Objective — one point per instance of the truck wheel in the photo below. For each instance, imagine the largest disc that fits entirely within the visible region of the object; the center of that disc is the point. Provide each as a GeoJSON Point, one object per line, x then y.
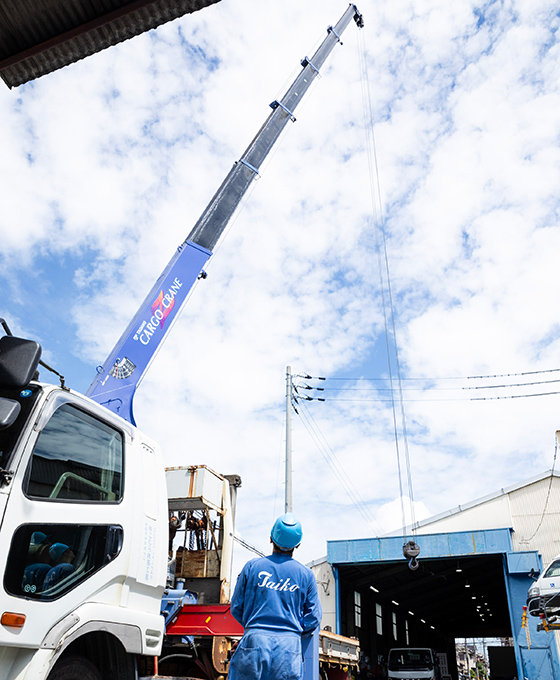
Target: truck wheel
{"type": "Point", "coordinates": [74, 668]}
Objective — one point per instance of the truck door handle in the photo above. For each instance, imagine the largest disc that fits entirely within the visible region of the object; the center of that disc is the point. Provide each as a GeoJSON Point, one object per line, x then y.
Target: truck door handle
{"type": "Point", "coordinates": [113, 543]}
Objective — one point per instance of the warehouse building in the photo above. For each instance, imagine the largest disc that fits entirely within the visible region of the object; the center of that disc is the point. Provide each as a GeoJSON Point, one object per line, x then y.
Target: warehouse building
{"type": "Point", "coordinates": [477, 563]}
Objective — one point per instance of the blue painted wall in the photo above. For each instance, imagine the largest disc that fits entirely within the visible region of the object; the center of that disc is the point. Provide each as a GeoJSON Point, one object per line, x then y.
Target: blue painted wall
{"type": "Point", "coordinates": [536, 652]}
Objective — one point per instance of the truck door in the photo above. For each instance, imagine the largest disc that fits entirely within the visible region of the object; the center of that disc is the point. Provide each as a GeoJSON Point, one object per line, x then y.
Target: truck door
{"type": "Point", "coordinates": [63, 524]}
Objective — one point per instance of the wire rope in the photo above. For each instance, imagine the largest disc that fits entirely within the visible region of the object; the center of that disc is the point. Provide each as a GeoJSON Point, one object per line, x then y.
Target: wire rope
{"type": "Point", "coordinates": [247, 546]}
{"type": "Point", "coordinates": [383, 265]}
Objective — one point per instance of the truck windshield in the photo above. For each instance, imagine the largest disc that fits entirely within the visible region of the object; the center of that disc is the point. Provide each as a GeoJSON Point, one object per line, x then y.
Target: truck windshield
{"type": "Point", "coordinates": [553, 570]}
{"type": "Point", "coordinates": [10, 436]}
{"type": "Point", "coordinates": [410, 659]}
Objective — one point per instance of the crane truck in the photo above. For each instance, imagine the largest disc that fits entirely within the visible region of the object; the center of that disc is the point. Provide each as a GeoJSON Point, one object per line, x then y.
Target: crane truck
{"type": "Point", "coordinates": [111, 566]}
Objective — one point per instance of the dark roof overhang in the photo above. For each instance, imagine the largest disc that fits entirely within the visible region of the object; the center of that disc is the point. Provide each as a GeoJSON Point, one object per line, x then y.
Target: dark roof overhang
{"type": "Point", "coordinates": [41, 36]}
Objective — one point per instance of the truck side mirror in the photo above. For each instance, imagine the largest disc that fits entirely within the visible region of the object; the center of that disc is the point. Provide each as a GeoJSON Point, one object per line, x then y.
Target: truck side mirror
{"type": "Point", "coordinates": [19, 359]}
{"type": "Point", "coordinates": [9, 411]}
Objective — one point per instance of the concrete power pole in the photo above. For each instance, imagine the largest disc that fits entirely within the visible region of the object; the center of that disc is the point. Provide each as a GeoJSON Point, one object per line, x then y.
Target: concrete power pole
{"type": "Point", "coordinates": [288, 491]}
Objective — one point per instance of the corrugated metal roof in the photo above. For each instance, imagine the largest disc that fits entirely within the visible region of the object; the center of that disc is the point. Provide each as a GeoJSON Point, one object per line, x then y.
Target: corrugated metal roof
{"type": "Point", "coordinates": [472, 504]}
{"type": "Point", "coordinates": [40, 36]}
{"type": "Point", "coordinates": [489, 497]}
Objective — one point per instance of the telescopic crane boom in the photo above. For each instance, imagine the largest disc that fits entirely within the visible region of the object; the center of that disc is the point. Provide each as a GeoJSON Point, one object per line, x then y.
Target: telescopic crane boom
{"type": "Point", "coordinates": [115, 384]}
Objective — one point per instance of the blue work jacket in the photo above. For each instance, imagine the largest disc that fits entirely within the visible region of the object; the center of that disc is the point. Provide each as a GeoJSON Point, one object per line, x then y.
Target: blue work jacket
{"type": "Point", "coordinates": [278, 594]}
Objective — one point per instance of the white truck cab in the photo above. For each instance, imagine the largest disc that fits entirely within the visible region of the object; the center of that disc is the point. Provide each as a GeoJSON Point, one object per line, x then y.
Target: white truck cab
{"type": "Point", "coordinates": [83, 534]}
{"type": "Point", "coordinates": [411, 663]}
{"type": "Point", "coordinates": [545, 592]}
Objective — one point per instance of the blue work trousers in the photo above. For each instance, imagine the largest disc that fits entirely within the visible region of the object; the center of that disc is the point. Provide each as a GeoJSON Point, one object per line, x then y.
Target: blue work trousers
{"type": "Point", "coordinates": [264, 655]}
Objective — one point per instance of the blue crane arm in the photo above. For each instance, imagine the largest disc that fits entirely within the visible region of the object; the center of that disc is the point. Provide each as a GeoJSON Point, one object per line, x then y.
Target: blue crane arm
{"type": "Point", "coordinates": [116, 381]}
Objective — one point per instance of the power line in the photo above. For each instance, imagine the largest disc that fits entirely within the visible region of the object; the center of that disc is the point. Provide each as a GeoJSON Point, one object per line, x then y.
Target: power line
{"type": "Point", "coordinates": [434, 388]}
{"type": "Point", "coordinates": [442, 399]}
{"type": "Point", "coordinates": [514, 396]}
{"type": "Point", "coordinates": [332, 460]}
{"type": "Point", "coordinates": [491, 387]}
{"type": "Point", "coordinates": [435, 378]}
{"type": "Point", "coordinates": [385, 394]}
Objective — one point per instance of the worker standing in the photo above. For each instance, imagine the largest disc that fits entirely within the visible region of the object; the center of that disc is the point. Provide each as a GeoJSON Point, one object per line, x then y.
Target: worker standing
{"type": "Point", "coordinates": [276, 601]}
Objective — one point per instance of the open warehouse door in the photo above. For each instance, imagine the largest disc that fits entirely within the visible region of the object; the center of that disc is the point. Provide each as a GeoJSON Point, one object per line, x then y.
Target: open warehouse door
{"type": "Point", "coordinates": [469, 584]}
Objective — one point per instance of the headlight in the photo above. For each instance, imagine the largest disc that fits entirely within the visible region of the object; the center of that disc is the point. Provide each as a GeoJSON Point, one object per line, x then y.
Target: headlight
{"type": "Point", "coordinates": [534, 591]}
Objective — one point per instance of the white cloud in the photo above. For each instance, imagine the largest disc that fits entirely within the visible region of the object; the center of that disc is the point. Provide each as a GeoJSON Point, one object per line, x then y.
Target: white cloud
{"type": "Point", "coordinates": [112, 160]}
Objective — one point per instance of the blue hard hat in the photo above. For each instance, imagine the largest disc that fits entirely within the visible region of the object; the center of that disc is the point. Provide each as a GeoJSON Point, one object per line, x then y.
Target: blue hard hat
{"type": "Point", "coordinates": [57, 550]}
{"type": "Point", "coordinates": [286, 532]}
{"type": "Point", "coordinates": [38, 537]}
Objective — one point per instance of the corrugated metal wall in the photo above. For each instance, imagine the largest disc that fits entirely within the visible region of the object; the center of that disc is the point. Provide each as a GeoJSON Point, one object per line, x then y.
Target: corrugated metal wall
{"type": "Point", "coordinates": [492, 514]}
{"type": "Point", "coordinates": [531, 513]}
{"type": "Point", "coordinates": [327, 592]}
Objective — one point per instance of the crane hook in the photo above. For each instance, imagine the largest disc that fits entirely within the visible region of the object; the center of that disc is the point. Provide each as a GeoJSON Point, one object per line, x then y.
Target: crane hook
{"type": "Point", "coordinates": [411, 550]}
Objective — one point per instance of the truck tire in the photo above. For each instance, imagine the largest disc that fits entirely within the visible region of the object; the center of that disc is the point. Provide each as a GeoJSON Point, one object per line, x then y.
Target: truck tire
{"type": "Point", "coordinates": [74, 668]}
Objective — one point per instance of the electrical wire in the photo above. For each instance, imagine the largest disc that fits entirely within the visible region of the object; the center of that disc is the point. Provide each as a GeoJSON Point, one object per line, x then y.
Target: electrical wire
{"type": "Point", "coordinates": [434, 378]}
{"type": "Point", "coordinates": [437, 389]}
{"type": "Point", "coordinates": [442, 399]}
{"type": "Point", "coordinates": [333, 393]}
{"type": "Point", "coordinates": [332, 460]}
{"type": "Point", "coordinates": [491, 387]}
{"type": "Point", "coordinates": [513, 396]}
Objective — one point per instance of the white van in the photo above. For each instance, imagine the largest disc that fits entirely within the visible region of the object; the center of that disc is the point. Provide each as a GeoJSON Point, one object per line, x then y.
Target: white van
{"type": "Point", "coordinates": [545, 592]}
{"type": "Point", "coordinates": [411, 663]}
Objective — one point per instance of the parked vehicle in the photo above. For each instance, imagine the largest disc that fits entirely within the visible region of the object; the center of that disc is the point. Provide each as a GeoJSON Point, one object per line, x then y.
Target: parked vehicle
{"type": "Point", "coordinates": [544, 594]}
{"type": "Point", "coordinates": [411, 663]}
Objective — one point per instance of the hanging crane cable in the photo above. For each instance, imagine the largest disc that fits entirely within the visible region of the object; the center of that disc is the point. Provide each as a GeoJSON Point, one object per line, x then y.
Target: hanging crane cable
{"type": "Point", "coordinates": [385, 289]}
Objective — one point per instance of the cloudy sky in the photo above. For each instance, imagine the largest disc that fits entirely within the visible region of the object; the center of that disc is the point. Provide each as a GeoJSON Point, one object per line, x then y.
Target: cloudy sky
{"type": "Point", "coordinates": [107, 164]}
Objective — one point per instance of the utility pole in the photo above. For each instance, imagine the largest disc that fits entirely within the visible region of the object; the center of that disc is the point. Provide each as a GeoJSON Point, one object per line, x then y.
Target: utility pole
{"type": "Point", "coordinates": [475, 659]}
{"type": "Point", "coordinates": [288, 491]}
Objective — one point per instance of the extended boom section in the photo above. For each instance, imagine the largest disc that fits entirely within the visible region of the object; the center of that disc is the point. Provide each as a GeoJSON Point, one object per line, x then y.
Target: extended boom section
{"type": "Point", "coordinates": [116, 382]}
